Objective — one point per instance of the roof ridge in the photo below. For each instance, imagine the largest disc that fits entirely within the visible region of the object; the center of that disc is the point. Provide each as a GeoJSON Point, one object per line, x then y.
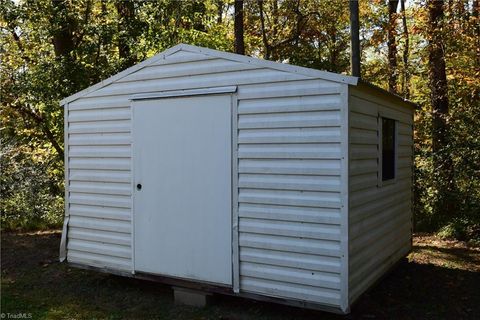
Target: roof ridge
{"type": "Point", "coordinates": [314, 73]}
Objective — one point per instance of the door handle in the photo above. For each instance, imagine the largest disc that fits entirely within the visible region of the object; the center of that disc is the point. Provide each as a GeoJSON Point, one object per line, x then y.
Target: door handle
{"type": "Point", "coordinates": [139, 186]}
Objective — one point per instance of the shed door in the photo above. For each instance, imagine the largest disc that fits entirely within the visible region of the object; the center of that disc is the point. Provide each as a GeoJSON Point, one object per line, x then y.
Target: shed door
{"type": "Point", "coordinates": [182, 213]}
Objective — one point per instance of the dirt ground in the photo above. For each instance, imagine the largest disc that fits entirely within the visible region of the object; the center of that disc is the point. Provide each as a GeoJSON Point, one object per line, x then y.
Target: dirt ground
{"type": "Point", "coordinates": [438, 280]}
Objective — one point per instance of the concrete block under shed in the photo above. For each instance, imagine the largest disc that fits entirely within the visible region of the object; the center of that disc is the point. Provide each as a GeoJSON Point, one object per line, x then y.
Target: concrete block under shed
{"type": "Point", "coordinates": [191, 297]}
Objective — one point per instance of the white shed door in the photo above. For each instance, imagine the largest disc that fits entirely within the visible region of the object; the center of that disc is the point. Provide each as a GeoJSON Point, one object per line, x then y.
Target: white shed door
{"type": "Point", "coordinates": [182, 213]}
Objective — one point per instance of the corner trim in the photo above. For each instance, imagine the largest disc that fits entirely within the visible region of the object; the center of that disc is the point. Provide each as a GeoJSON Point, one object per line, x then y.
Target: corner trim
{"type": "Point", "coordinates": [345, 171]}
{"type": "Point", "coordinates": [234, 197]}
{"type": "Point", "coordinates": [63, 241]}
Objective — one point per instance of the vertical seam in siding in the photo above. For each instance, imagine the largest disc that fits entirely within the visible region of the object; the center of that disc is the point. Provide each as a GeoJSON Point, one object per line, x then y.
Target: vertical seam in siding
{"type": "Point", "coordinates": [132, 181]}
{"type": "Point", "coordinates": [344, 299]}
{"type": "Point", "coordinates": [235, 236]}
{"type": "Point", "coordinates": [64, 239]}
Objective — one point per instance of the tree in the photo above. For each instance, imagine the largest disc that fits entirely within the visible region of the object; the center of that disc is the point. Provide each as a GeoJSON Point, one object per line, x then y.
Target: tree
{"type": "Point", "coordinates": [308, 33]}
{"type": "Point", "coordinates": [438, 76]}
{"type": "Point", "coordinates": [266, 44]}
{"type": "Point", "coordinates": [64, 28]}
{"type": "Point", "coordinates": [392, 45]}
{"type": "Point", "coordinates": [238, 26]}
{"type": "Point", "coordinates": [440, 108]}
{"type": "Point", "coordinates": [406, 49]}
{"type": "Point", "coordinates": [127, 32]}
{"type": "Point", "coordinates": [476, 21]}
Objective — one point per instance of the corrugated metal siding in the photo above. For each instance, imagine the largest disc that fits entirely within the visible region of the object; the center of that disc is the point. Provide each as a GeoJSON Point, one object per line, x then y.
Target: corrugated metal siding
{"type": "Point", "coordinates": [289, 150]}
{"type": "Point", "coordinates": [379, 217]}
{"type": "Point", "coordinates": [99, 184]}
{"type": "Point", "coordinates": [289, 190]}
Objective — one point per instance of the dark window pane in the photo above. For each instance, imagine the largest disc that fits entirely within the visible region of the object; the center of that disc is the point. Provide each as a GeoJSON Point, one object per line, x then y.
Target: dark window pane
{"type": "Point", "coordinates": [388, 149]}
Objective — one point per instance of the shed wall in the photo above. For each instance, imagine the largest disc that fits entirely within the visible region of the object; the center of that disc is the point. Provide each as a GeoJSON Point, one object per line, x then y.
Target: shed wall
{"type": "Point", "coordinates": [99, 183]}
{"type": "Point", "coordinates": [289, 150]}
{"type": "Point", "coordinates": [380, 217]}
{"type": "Point", "coordinates": [289, 173]}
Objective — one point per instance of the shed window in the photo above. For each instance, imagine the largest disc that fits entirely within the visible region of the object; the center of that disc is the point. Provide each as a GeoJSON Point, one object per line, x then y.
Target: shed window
{"type": "Point", "coordinates": [388, 149]}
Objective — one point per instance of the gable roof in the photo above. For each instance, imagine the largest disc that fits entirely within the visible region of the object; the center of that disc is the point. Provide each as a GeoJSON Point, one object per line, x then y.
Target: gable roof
{"type": "Point", "coordinates": [335, 77]}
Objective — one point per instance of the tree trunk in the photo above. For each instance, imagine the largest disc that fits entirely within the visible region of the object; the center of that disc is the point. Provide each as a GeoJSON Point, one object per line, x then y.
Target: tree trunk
{"type": "Point", "coordinates": [220, 6]}
{"type": "Point", "coordinates": [126, 17]}
{"type": "Point", "coordinates": [476, 16]}
{"type": "Point", "coordinates": [438, 76]}
{"type": "Point", "coordinates": [274, 25]}
{"type": "Point", "coordinates": [64, 26]}
{"type": "Point", "coordinates": [267, 54]}
{"type": "Point", "coordinates": [406, 48]}
{"type": "Point", "coordinates": [355, 39]}
{"type": "Point", "coordinates": [442, 160]}
{"type": "Point", "coordinates": [333, 50]}
{"type": "Point", "coordinates": [392, 46]}
{"type": "Point", "coordinates": [103, 15]}
{"type": "Point", "coordinates": [238, 26]}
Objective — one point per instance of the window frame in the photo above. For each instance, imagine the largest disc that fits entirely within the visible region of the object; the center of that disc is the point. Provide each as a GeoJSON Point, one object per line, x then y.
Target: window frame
{"type": "Point", "coordinates": [380, 181]}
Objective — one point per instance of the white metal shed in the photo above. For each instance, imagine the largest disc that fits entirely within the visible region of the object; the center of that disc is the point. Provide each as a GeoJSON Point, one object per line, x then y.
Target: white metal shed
{"type": "Point", "coordinates": [238, 175]}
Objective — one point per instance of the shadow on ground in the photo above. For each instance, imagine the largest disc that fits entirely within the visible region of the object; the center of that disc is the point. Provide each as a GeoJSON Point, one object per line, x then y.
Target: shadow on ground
{"type": "Point", "coordinates": [434, 282]}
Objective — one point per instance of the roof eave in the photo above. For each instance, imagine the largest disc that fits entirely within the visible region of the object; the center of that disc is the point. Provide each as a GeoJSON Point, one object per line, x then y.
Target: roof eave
{"type": "Point", "coordinates": [393, 95]}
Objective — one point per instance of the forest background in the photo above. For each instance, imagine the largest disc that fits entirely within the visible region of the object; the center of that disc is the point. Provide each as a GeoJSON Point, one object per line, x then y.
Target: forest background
{"type": "Point", "coordinates": [427, 51]}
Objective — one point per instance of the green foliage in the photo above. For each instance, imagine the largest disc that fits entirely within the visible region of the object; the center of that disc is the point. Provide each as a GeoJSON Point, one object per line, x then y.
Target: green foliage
{"type": "Point", "coordinates": [462, 152]}
{"type": "Point", "coordinates": [461, 229]}
{"type": "Point", "coordinates": [313, 34]}
{"type": "Point", "coordinates": [171, 22]}
{"type": "Point", "coordinates": [30, 185]}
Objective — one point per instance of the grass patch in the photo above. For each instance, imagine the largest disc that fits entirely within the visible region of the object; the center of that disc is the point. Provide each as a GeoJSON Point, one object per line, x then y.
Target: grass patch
{"type": "Point", "coordinates": [440, 279]}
